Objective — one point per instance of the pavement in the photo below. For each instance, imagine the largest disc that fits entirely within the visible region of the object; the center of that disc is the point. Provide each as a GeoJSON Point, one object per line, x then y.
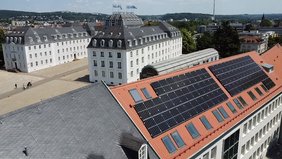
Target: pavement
{"type": "Point", "coordinates": [46, 83]}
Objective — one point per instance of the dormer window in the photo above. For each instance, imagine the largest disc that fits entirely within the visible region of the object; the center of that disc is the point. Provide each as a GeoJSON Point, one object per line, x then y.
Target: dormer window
{"type": "Point", "coordinates": [30, 39]}
{"type": "Point", "coordinates": [15, 40]}
{"type": "Point", "coordinates": [11, 39]}
{"type": "Point", "coordinates": [129, 43]}
{"type": "Point", "coordinates": [38, 39]}
{"type": "Point", "coordinates": [141, 41]}
{"type": "Point", "coordinates": [102, 43]}
{"type": "Point", "coordinates": [7, 39]}
{"type": "Point", "coordinates": [20, 40]}
{"type": "Point", "coordinates": [135, 42]}
{"type": "Point", "coordinates": [45, 38]}
{"type": "Point", "coordinates": [54, 37]}
{"type": "Point", "coordinates": [94, 42]}
{"type": "Point", "coordinates": [111, 42]}
{"type": "Point", "coordinates": [119, 44]}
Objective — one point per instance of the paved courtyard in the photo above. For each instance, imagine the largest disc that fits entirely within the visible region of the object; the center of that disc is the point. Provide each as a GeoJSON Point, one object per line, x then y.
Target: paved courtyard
{"type": "Point", "coordinates": [46, 84]}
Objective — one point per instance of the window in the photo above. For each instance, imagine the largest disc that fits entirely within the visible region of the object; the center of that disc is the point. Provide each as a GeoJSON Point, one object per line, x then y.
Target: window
{"type": "Point", "coordinates": [242, 101]}
{"type": "Point", "coordinates": [245, 128]}
{"type": "Point", "coordinates": [213, 153]}
{"type": "Point", "coordinates": [217, 116]}
{"type": "Point", "coordinates": [239, 105]}
{"type": "Point", "coordinates": [192, 130]}
{"type": "Point", "coordinates": [146, 93]}
{"type": "Point", "coordinates": [251, 94]}
{"type": "Point", "coordinates": [119, 75]}
{"type": "Point", "coordinates": [111, 64]}
{"type": "Point", "coordinates": [177, 139]}
{"type": "Point", "coordinates": [119, 44]}
{"type": "Point", "coordinates": [206, 123]}
{"type": "Point", "coordinates": [119, 65]}
{"type": "Point", "coordinates": [231, 107]}
{"type": "Point", "coordinates": [131, 54]}
{"type": "Point", "coordinates": [135, 95]}
{"type": "Point", "coordinates": [118, 55]}
{"type": "Point", "coordinates": [110, 54]}
{"type": "Point", "coordinates": [95, 62]}
{"type": "Point", "coordinates": [111, 75]}
{"type": "Point", "coordinates": [102, 54]}
{"type": "Point", "coordinates": [243, 150]}
{"type": "Point", "coordinates": [259, 91]}
{"type": "Point", "coordinates": [230, 149]}
{"type": "Point", "coordinates": [223, 112]}
{"type": "Point", "coordinates": [103, 74]}
{"type": "Point", "coordinates": [206, 156]}
{"type": "Point", "coordinates": [131, 63]}
{"type": "Point", "coordinates": [94, 53]}
{"type": "Point", "coordinates": [168, 144]}
{"type": "Point", "coordinates": [102, 63]}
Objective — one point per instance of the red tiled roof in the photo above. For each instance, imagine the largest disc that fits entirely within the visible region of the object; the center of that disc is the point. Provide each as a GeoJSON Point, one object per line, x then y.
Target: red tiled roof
{"type": "Point", "coordinates": [194, 145]}
{"type": "Point", "coordinates": [251, 39]}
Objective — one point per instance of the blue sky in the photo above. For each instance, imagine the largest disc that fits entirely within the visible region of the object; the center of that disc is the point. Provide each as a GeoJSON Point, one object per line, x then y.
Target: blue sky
{"type": "Point", "coordinates": [146, 7]}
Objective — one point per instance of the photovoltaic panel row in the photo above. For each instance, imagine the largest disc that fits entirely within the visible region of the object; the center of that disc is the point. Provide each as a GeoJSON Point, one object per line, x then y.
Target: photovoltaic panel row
{"type": "Point", "coordinates": [240, 74]}
{"type": "Point", "coordinates": [180, 99]}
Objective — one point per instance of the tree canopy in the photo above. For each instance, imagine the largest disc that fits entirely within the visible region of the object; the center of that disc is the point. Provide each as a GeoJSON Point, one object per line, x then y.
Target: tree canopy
{"type": "Point", "coordinates": [226, 40]}
{"type": "Point", "coordinates": [274, 40]}
{"type": "Point", "coordinates": [188, 42]}
{"type": "Point", "coordinates": [205, 41]}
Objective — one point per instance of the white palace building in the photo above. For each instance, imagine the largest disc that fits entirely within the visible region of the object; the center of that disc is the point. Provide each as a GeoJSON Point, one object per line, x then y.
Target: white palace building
{"type": "Point", "coordinates": [29, 49]}
{"type": "Point", "coordinates": [118, 54]}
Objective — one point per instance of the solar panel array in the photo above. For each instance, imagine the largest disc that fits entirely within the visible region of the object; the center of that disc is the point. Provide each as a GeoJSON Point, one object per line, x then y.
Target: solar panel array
{"type": "Point", "coordinates": [180, 98]}
{"type": "Point", "coordinates": [240, 74]}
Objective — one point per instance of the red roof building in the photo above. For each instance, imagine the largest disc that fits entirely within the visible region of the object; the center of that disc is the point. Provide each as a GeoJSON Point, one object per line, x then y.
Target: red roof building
{"type": "Point", "coordinates": [230, 108]}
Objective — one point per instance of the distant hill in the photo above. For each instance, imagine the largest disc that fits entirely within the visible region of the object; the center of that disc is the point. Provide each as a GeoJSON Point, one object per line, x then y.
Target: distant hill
{"type": "Point", "coordinates": [8, 14]}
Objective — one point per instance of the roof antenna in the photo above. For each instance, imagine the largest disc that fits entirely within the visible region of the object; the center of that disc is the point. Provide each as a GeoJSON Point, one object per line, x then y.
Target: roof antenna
{"type": "Point", "coordinates": [25, 151]}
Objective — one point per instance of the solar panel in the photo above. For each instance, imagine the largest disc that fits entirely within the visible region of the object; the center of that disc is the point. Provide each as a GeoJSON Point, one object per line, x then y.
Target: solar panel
{"type": "Point", "coordinates": [180, 98]}
{"type": "Point", "coordinates": [240, 74]}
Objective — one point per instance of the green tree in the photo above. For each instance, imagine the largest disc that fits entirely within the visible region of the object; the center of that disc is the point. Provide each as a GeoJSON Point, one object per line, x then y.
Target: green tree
{"type": "Point", "coordinates": [265, 23]}
{"type": "Point", "coordinates": [188, 43]}
{"type": "Point", "coordinates": [274, 40]}
{"type": "Point", "coordinates": [226, 40]}
{"type": "Point", "coordinates": [205, 41]}
{"type": "Point", "coordinates": [2, 40]}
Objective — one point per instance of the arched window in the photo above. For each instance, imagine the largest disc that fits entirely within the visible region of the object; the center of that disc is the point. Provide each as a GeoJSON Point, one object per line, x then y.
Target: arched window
{"type": "Point", "coordinates": [119, 44]}
{"type": "Point", "coordinates": [129, 43]}
{"type": "Point", "coordinates": [20, 40]}
{"type": "Point", "coordinates": [102, 43]}
{"type": "Point", "coordinates": [111, 42]}
{"type": "Point", "coordinates": [94, 42]}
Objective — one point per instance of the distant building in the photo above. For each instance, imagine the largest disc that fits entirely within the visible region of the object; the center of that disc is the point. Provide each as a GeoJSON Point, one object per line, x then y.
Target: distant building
{"type": "Point", "coordinates": [29, 49]}
{"type": "Point", "coordinates": [118, 53]}
{"type": "Point", "coordinates": [18, 23]}
{"type": "Point", "coordinates": [239, 27]}
{"type": "Point", "coordinates": [253, 43]}
{"type": "Point", "coordinates": [178, 63]}
{"type": "Point", "coordinates": [212, 27]}
{"type": "Point", "coordinates": [201, 29]}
